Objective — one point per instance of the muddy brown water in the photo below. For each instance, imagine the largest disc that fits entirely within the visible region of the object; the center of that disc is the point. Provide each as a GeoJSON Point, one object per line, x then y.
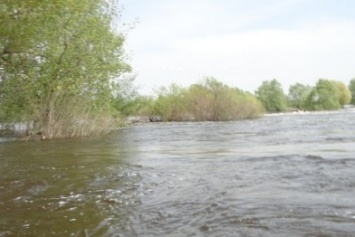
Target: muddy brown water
{"type": "Point", "coordinates": [281, 175]}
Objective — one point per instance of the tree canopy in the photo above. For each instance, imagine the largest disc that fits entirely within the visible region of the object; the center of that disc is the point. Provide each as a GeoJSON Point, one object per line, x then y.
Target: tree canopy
{"type": "Point", "coordinates": [62, 67]}
{"type": "Point", "coordinates": [343, 92]}
{"type": "Point", "coordinates": [297, 95]}
{"type": "Point", "coordinates": [328, 95]}
{"type": "Point", "coordinates": [60, 63]}
{"type": "Point", "coordinates": [352, 91]}
{"type": "Point", "coordinates": [271, 95]}
{"type": "Point", "coordinates": [209, 100]}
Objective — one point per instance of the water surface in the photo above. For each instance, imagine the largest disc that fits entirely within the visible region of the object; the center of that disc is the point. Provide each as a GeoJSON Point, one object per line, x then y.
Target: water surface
{"type": "Point", "coordinates": [284, 175]}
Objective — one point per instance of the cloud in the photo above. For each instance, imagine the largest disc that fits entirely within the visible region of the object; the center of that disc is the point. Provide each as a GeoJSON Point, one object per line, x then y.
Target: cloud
{"type": "Point", "coordinates": [185, 41]}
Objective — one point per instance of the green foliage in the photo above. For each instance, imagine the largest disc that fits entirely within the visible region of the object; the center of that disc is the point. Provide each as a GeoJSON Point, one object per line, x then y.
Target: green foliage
{"type": "Point", "coordinates": [343, 92]}
{"type": "Point", "coordinates": [138, 105]}
{"type": "Point", "coordinates": [144, 106]}
{"type": "Point", "coordinates": [54, 54]}
{"type": "Point", "coordinates": [170, 104]}
{"type": "Point", "coordinates": [210, 100]}
{"type": "Point", "coordinates": [324, 96]}
{"type": "Point", "coordinates": [271, 95]}
{"type": "Point", "coordinates": [200, 102]}
{"type": "Point", "coordinates": [214, 101]}
{"type": "Point", "coordinates": [297, 95]}
{"type": "Point", "coordinates": [352, 90]}
{"type": "Point", "coordinates": [127, 101]}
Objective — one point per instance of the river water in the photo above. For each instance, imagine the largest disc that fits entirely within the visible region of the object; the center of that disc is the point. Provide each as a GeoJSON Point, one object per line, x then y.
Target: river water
{"type": "Point", "coordinates": [281, 175]}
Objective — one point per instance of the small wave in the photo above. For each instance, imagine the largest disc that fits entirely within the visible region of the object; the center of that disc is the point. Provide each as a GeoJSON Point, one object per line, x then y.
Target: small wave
{"type": "Point", "coordinates": [335, 139]}
{"type": "Point", "coordinates": [314, 157]}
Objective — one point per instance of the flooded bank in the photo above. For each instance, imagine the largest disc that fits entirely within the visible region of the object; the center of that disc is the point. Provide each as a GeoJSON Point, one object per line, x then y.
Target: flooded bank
{"type": "Point", "coordinates": [290, 174]}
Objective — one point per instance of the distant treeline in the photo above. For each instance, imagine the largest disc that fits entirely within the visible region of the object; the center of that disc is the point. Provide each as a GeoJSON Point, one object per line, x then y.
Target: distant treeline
{"type": "Point", "coordinates": [211, 100]}
{"type": "Point", "coordinates": [64, 73]}
{"type": "Point", "coordinates": [325, 95]}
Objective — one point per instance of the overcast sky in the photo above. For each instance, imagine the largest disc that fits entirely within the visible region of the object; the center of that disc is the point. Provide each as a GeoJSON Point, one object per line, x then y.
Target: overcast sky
{"type": "Point", "coordinates": [240, 42]}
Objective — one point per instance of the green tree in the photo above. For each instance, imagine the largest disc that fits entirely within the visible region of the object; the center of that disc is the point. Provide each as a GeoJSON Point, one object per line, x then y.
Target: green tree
{"type": "Point", "coordinates": [60, 64]}
{"type": "Point", "coordinates": [352, 90]}
{"type": "Point", "coordinates": [170, 104]}
{"type": "Point", "coordinates": [220, 97]}
{"type": "Point", "coordinates": [297, 95]}
{"type": "Point", "coordinates": [211, 100]}
{"type": "Point", "coordinates": [137, 105]}
{"type": "Point", "coordinates": [271, 95]}
{"type": "Point", "coordinates": [324, 96]}
{"type": "Point", "coordinates": [344, 93]}
{"type": "Point", "coordinates": [200, 102]}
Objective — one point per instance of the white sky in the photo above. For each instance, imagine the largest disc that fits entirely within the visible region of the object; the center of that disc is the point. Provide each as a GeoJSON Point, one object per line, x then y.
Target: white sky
{"type": "Point", "coordinates": [240, 42]}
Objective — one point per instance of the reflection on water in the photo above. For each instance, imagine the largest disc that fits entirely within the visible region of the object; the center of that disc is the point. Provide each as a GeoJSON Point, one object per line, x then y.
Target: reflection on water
{"type": "Point", "coordinates": [284, 175]}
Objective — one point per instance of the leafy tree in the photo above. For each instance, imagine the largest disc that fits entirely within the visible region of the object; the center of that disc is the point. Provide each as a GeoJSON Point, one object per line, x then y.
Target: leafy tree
{"type": "Point", "coordinates": [297, 95]}
{"type": "Point", "coordinates": [324, 96]}
{"type": "Point", "coordinates": [352, 90]}
{"type": "Point", "coordinates": [137, 105]}
{"type": "Point", "coordinates": [210, 100]}
{"type": "Point", "coordinates": [145, 106]}
{"type": "Point", "coordinates": [220, 97]}
{"type": "Point", "coordinates": [231, 103]}
{"type": "Point", "coordinates": [245, 105]}
{"type": "Point", "coordinates": [343, 91]}
{"type": "Point", "coordinates": [200, 102]}
{"type": "Point", "coordinates": [170, 104]}
{"type": "Point", "coordinates": [60, 63]}
{"type": "Point", "coordinates": [271, 95]}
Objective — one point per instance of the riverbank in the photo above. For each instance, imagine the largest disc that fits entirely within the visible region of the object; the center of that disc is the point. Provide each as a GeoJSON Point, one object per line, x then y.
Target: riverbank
{"type": "Point", "coordinates": [187, 179]}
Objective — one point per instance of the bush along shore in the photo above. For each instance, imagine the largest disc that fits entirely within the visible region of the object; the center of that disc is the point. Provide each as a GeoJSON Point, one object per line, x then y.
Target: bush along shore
{"type": "Point", "coordinates": [209, 100]}
{"type": "Point", "coordinates": [64, 73]}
